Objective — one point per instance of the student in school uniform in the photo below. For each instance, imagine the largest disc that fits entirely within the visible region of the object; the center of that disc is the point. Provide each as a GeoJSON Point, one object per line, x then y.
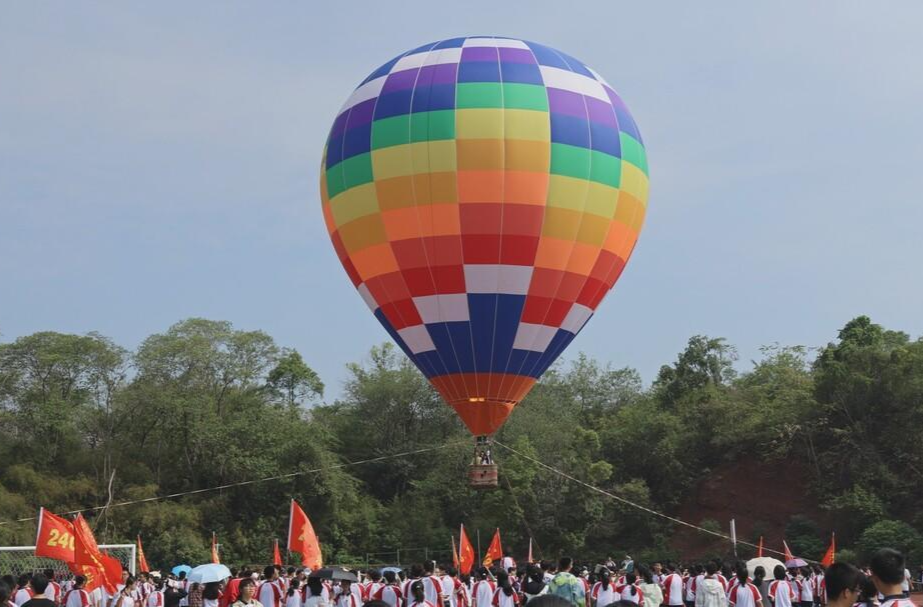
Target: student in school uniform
{"type": "Point", "coordinates": [781, 592]}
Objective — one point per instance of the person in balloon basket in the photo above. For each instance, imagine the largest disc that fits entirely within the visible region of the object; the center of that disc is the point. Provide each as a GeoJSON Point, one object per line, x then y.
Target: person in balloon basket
{"type": "Point", "coordinates": [888, 575]}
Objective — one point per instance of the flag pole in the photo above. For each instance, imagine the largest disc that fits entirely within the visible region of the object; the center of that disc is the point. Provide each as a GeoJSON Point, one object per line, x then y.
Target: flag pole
{"type": "Point", "coordinates": [479, 546]}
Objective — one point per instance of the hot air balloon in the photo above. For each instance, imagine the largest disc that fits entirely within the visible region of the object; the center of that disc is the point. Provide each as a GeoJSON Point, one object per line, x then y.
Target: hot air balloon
{"type": "Point", "coordinates": [483, 195]}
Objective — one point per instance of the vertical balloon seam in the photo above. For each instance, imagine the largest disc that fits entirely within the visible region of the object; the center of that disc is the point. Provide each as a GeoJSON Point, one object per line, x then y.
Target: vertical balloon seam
{"type": "Point", "coordinates": [493, 336]}
{"type": "Point", "coordinates": [474, 357]}
{"type": "Point", "coordinates": [420, 237]}
{"type": "Point", "coordinates": [539, 360]}
{"type": "Point", "coordinates": [506, 368]}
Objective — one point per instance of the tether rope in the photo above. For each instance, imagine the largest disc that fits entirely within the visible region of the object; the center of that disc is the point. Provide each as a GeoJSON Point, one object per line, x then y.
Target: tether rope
{"type": "Point", "coordinates": [243, 483]}
{"type": "Point", "coordinates": [627, 502]}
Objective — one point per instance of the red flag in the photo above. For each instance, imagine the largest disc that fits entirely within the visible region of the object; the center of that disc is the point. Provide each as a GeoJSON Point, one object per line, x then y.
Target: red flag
{"type": "Point", "coordinates": [529, 558]}
{"type": "Point", "coordinates": [112, 568]}
{"type": "Point", "coordinates": [276, 557]}
{"type": "Point", "coordinates": [830, 555]}
{"type": "Point", "coordinates": [93, 575]}
{"type": "Point", "coordinates": [454, 554]}
{"type": "Point", "coordinates": [466, 556]}
{"type": "Point", "coordinates": [55, 537]}
{"type": "Point", "coordinates": [495, 551]}
{"type": "Point", "coordinates": [301, 538]}
{"type": "Point", "coordinates": [788, 553]}
{"type": "Point", "coordinates": [215, 558]}
{"type": "Point", "coordinates": [87, 554]}
{"type": "Point", "coordinates": [142, 562]}
{"type": "Point", "coordinates": [759, 549]}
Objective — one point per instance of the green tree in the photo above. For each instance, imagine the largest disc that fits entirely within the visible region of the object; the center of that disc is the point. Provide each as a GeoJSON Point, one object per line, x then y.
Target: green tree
{"type": "Point", "coordinates": [294, 382]}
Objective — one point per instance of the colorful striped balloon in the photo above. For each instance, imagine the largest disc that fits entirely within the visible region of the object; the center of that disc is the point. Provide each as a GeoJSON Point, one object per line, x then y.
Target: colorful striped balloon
{"type": "Point", "coordinates": [484, 194]}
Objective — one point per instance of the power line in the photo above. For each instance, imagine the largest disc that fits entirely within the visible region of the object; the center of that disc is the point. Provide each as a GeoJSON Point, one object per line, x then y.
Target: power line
{"type": "Point", "coordinates": [627, 502]}
{"type": "Point", "coordinates": [243, 483]}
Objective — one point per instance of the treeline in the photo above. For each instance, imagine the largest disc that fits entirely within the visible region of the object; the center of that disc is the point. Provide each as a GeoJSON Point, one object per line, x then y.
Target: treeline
{"type": "Point", "coordinates": [84, 422]}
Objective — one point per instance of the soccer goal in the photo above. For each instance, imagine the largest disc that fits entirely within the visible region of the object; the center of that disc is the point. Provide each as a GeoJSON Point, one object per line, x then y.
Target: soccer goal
{"type": "Point", "coordinates": [16, 560]}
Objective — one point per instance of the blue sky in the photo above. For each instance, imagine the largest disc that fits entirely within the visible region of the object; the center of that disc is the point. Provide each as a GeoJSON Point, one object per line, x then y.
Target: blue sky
{"type": "Point", "coordinates": [159, 161]}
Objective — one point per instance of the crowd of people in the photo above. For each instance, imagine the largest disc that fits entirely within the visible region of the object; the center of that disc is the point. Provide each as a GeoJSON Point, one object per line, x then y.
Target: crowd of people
{"type": "Point", "coordinates": [886, 582]}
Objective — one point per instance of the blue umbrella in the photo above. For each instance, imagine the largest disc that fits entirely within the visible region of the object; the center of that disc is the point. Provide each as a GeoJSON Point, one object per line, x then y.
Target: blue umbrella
{"type": "Point", "coordinates": [181, 569]}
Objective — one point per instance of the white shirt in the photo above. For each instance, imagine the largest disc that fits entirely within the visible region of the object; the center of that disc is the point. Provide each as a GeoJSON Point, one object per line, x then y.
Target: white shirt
{"type": "Point", "coordinates": [77, 598]}
{"type": "Point", "coordinates": [745, 596]}
{"type": "Point", "coordinates": [155, 599]}
{"type": "Point", "coordinates": [294, 600]}
{"type": "Point", "coordinates": [484, 593]}
{"type": "Point", "coordinates": [389, 594]}
{"type": "Point", "coordinates": [604, 596]}
{"type": "Point", "coordinates": [631, 593]}
{"type": "Point", "coordinates": [905, 585]}
{"type": "Point", "coordinates": [22, 595]}
{"type": "Point", "coordinates": [270, 594]}
{"type": "Point", "coordinates": [673, 589]}
{"type": "Point", "coordinates": [781, 593]}
{"type": "Point", "coordinates": [501, 599]}
{"type": "Point", "coordinates": [126, 601]}
{"type": "Point", "coordinates": [448, 589]}
{"type": "Point", "coordinates": [432, 589]}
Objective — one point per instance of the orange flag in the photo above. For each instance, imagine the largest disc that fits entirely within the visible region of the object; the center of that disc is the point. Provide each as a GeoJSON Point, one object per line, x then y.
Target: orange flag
{"type": "Point", "coordinates": [759, 549]}
{"type": "Point", "coordinates": [495, 551]}
{"type": "Point", "coordinates": [465, 553]}
{"type": "Point", "coordinates": [830, 555]}
{"type": "Point", "coordinates": [301, 538]}
{"type": "Point", "coordinates": [276, 557]}
{"type": "Point", "coordinates": [55, 538]}
{"type": "Point", "coordinates": [142, 562]}
{"type": "Point", "coordinates": [788, 553]}
{"type": "Point", "coordinates": [87, 554]}
{"type": "Point", "coordinates": [215, 558]}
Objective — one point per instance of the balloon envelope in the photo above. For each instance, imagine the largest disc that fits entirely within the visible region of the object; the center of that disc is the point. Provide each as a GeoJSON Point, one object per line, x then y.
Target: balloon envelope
{"type": "Point", "coordinates": [484, 194]}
